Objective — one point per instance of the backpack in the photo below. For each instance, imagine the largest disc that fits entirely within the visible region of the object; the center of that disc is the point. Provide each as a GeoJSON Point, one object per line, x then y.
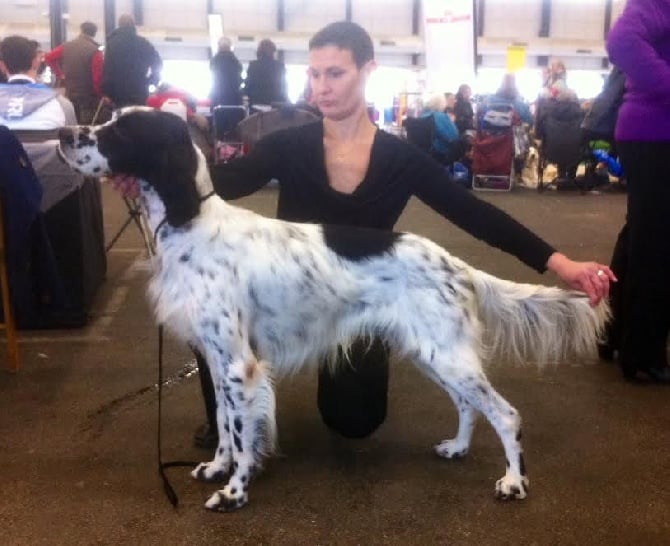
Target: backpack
{"type": "Point", "coordinates": [497, 114]}
{"type": "Point", "coordinates": [600, 120]}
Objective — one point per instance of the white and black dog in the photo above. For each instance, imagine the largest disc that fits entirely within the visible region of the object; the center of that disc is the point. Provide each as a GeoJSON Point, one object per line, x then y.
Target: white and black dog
{"type": "Point", "coordinates": [259, 296]}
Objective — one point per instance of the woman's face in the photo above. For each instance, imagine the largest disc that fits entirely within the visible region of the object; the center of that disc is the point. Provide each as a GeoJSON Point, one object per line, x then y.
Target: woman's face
{"type": "Point", "coordinates": [338, 85]}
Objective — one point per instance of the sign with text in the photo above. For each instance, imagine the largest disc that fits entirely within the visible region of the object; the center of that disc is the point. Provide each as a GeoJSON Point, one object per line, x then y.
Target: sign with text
{"type": "Point", "coordinates": [450, 44]}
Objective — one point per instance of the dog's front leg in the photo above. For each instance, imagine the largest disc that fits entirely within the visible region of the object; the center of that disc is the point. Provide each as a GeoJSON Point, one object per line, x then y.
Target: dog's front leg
{"type": "Point", "coordinates": [243, 383]}
{"type": "Point", "coordinates": [217, 470]}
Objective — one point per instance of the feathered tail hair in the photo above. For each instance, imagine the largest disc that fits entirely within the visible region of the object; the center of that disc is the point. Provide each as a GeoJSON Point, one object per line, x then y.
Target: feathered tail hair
{"type": "Point", "coordinates": [527, 321]}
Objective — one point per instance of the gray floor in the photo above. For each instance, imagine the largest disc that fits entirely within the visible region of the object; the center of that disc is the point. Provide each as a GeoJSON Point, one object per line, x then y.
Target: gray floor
{"type": "Point", "coordinates": [78, 431]}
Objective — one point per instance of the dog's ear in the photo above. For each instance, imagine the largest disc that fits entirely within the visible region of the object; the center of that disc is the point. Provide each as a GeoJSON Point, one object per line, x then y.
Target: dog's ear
{"type": "Point", "coordinates": [174, 177]}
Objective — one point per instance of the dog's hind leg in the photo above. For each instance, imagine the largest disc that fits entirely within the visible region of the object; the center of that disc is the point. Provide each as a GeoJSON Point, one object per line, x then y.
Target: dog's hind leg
{"type": "Point", "coordinates": [457, 369]}
{"type": "Point", "coordinates": [457, 447]}
{"type": "Point", "coordinates": [250, 407]}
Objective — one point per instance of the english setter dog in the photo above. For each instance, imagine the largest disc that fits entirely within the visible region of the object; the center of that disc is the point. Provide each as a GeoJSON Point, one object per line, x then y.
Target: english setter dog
{"type": "Point", "coordinates": [259, 296]}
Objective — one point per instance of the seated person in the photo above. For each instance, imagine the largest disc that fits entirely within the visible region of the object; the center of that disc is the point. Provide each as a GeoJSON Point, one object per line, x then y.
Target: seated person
{"type": "Point", "coordinates": [26, 104]}
{"type": "Point", "coordinates": [558, 127]}
{"type": "Point", "coordinates": [564, 108]}
{"type": "Point", "coordinates": [508, 92]}
{"type": "Point", "coordinates": [446, 140]}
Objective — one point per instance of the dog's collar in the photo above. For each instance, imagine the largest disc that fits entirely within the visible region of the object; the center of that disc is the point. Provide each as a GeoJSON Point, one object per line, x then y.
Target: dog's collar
{"type": "Point", "coordinates": [164, 220]}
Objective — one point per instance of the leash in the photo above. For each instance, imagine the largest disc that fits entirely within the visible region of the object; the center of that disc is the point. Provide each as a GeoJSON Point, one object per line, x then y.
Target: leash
{"type": "Point", "coordinates": [101, 103]}
{"type": "Point", "coordinates": [167, 487]}
{"type": "Point", "coordinates": [162, 466]}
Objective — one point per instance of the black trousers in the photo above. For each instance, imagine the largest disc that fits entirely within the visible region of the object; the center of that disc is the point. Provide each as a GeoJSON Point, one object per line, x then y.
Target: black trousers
{"type": "Point", "coordinates": [644, 310]}
{"type": "Point", "coordinates": [352, 399]}
{"type": "Point", "coordinates": [619, 265]}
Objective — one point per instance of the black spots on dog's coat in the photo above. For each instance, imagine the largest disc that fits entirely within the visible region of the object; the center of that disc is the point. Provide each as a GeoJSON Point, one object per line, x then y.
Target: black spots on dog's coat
{"type": "Point", "coordinates": [238, 442]}
{"type": "Point", "coordinates": [357, 244]}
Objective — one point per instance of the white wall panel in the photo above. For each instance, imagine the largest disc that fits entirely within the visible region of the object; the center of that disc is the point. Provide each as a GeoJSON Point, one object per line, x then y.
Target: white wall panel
{"type": "Point", "coordinates": [176, 14]}
{"type": "Point", "coordinates": [514, 20]}
{"type": "Point", "coordinates": [578, 19]}
{"type": "Point", "coordinates": [247, 16]}
{"type": "Point", "coordinates": [126, 6]}
{"type": "Point", "coordinates": [383, 17]}
{"type": "Point", "coordinates": [309, 16]}
{"type": "Point", "coordinates": [85, 10]}
{"type": "Point", "coordinates": [24, 12]}
{"type": "Point", "coordinates": [28, 18]}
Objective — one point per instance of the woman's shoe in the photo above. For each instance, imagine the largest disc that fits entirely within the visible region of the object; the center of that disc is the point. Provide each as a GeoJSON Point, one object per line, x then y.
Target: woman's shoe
{"type": "Point", "coordinates": [656, 374]}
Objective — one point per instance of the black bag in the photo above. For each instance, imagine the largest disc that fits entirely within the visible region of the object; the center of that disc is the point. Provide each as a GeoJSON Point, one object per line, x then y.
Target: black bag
{"type": "Point", "coordinates": [31, 263]}
{"type": "Point", "coordinates": [600, 120]}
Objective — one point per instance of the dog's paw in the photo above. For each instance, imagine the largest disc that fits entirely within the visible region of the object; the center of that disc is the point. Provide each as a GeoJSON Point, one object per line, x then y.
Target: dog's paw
{"type": "Point", "coordinates": [451, 449]}
{"type": "Point", "coordinates": [227, 499]}
{"type": "Point", "coordinates": [508, 488]}
{"type": "Point", "coordinates": [209, 472]}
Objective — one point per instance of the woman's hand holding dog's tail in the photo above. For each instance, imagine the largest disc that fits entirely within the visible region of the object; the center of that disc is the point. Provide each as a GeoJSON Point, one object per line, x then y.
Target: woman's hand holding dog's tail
{"type": "Point", "coordinates": [591, 278]}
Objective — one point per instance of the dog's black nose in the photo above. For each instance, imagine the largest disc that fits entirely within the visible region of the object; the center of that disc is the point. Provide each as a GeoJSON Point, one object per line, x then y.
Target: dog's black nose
{"type": "Point", "coordinates": [66, 135]}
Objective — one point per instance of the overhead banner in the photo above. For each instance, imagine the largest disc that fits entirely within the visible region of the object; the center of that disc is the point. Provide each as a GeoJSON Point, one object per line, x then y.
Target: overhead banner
{"type": "Point", "coordinates": [450, 44]}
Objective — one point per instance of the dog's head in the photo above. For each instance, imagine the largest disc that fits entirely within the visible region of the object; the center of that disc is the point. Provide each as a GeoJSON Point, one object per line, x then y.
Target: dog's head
{"type": "Point", "coordinates": [149, 144]}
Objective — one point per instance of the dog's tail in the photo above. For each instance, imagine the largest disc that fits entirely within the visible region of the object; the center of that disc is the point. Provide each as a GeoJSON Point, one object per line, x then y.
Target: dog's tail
{"type": "Point", "coordinates": [536, 322]}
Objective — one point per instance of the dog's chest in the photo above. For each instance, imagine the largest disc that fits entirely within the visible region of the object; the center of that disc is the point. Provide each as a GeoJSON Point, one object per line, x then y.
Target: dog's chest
{"type": "Point", "coordinates": [188, 279]}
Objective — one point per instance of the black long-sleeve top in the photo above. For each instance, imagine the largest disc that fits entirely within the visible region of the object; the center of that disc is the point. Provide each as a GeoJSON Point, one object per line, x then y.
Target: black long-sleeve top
{"type": "Point", "coordinates": [396, 172]}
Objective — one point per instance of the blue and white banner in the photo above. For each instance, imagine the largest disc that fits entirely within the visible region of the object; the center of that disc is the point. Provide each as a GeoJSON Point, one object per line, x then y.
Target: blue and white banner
{"type": "Point", "coordinates": [450, 44]}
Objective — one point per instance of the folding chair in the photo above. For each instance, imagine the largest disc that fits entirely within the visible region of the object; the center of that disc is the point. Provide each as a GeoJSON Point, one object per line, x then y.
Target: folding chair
{"type": "Point", "coordinates": [134, 215]}
{"type": "Point", "coordinates": [8, 325]}
{"type": "Point", "coordinates": [227, 141]}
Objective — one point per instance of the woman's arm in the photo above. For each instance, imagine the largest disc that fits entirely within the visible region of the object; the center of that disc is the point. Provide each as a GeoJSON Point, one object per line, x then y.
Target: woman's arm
{"type": "Point", "coordinates": [495, 227]}
{"type": "Point", "coordinates": [245, 175]}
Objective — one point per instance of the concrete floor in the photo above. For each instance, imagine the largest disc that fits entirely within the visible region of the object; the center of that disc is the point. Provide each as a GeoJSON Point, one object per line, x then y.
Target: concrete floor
{"type": "Point", "coordinates": [78, 431]}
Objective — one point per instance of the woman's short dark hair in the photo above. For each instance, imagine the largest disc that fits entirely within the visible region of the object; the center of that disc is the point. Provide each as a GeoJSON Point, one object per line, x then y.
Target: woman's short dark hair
{"type": "Point", "coordinates": [346, 35]}
{"type": "Point", "coordinates": [266, 49]}
{"type": "Point", "coordinates": [18, 53]}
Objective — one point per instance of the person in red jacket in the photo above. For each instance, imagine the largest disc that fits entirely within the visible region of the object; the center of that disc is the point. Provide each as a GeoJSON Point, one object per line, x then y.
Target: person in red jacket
{"type": "Point", "coordinates": [77, 65]}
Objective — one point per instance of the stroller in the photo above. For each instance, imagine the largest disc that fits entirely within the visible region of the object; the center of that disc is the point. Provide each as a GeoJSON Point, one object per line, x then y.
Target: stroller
{"type": "Point", "coordinates": [493, 147]}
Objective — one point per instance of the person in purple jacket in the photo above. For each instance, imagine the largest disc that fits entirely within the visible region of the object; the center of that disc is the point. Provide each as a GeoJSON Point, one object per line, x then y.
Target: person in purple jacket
{"type": "Point", "coordinates": [639, 44]}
